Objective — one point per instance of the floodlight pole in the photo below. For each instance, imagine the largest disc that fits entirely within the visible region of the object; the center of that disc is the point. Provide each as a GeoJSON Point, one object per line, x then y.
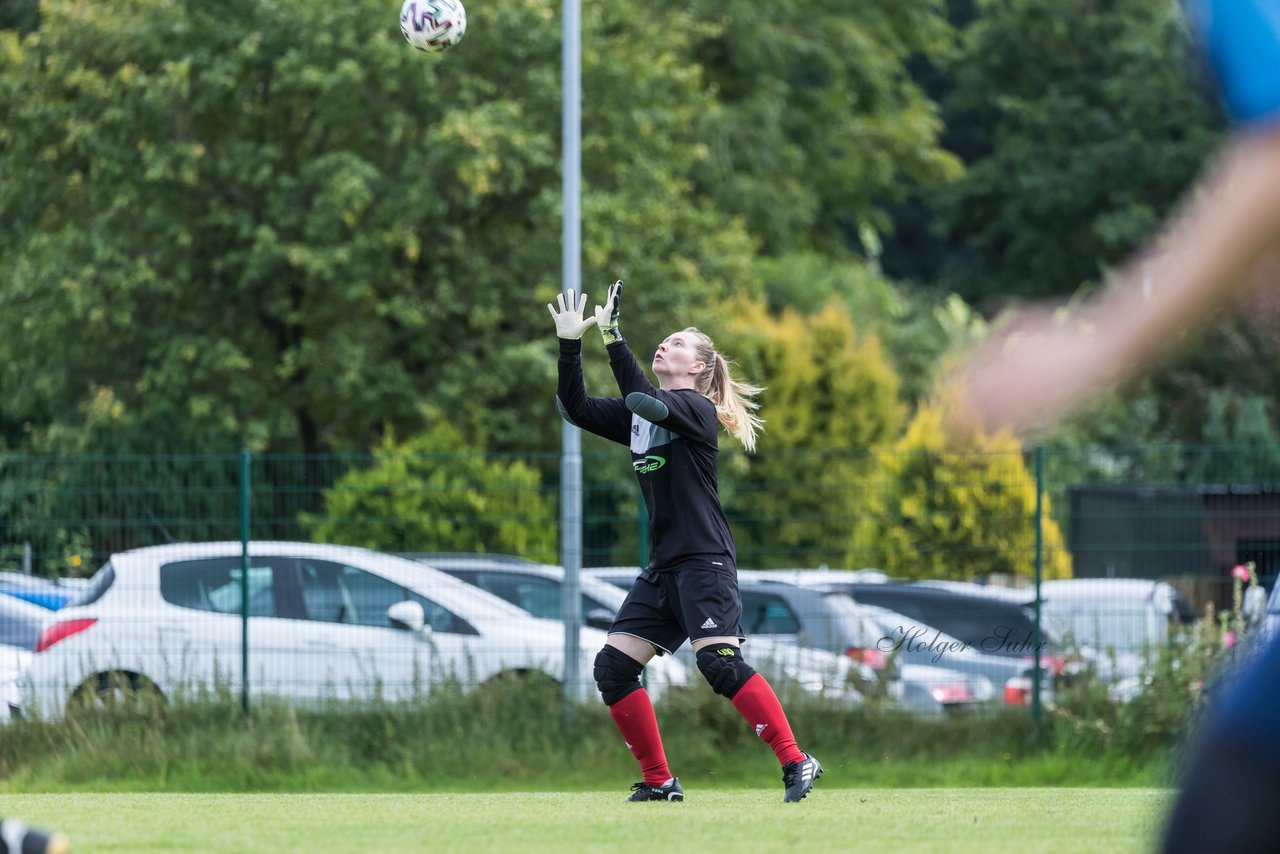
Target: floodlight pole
{"type": "Point", "coordinates": [571, 275]}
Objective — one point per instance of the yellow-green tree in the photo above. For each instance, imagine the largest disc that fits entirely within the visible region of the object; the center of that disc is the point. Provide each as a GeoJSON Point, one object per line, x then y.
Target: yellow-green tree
{"type": "Point", "coordinates": [831, 395]}
{"type": "Point", "coordinates": [935, 511]}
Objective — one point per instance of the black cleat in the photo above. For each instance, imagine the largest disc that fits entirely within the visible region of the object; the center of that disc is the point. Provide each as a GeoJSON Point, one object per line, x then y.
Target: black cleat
{"type": "Point", "coordinates": [668, 791]}
{"type": "Point", "coordinates": [799, 778]}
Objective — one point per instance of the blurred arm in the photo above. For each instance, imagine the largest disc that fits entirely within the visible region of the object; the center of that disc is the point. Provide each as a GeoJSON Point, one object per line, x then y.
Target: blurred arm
{"type": "Point", "coordinates": [1040, 369]}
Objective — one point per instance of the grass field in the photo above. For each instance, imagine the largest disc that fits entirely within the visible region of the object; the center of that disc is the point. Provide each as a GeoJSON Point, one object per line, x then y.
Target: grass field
{"type": "Point", "coordinates": [749, 820]}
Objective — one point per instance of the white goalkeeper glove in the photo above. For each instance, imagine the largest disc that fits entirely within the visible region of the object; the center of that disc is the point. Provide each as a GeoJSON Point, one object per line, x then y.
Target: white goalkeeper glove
{"type": "Point", "coordinates": [607, 314]}
{"type": "Point", "coordinates": [569, 320]}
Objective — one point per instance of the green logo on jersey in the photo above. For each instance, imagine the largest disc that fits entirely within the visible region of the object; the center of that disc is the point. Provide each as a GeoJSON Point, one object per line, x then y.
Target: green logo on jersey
{"type": "Point", "coordinates": [648, 465]}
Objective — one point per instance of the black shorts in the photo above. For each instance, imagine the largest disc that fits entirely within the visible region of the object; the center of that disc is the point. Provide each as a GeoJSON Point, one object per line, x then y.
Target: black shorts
{"type": "Point", "coordinates": [693, 600]}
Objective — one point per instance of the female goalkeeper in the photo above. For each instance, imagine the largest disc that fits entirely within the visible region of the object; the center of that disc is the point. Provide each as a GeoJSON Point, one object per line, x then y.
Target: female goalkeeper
{"type": "Point", "coordinates": [689, 590]}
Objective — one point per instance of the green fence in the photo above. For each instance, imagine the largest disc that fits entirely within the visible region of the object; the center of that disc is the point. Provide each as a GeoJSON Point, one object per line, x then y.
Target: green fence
{"type": "Point", "coordinates": [1128, 513]}
{"type": "Point", "coordinates": [1172, 521]}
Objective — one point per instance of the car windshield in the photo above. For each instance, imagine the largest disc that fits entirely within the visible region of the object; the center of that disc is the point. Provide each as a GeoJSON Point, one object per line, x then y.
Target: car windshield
{"type": "Point", "coordinates": [1103, 624]}
{"type": "Point", "coordinates": [850, 627]}
{"type": "Point", "coordinates": [98, 585]}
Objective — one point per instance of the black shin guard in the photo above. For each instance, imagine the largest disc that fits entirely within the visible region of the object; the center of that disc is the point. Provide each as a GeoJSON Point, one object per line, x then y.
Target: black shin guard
{"type": "Point", "coordinates": [616, 673]}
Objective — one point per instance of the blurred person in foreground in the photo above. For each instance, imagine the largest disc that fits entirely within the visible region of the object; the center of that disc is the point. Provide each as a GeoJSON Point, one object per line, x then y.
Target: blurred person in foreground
{"type": "Point", "coordinates": [689, 590]}
{"type": "Point", "coordinates": [17, 838]}
{"type": "Point", "coordinates": [1039, 368]}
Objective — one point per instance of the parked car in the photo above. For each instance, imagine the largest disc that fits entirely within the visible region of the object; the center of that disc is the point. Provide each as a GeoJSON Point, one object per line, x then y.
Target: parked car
{"type": "Point", "coordinates": [990, 623]}
{"type": "Point", "coordinates": [1271, 618]}
{"type": "Point", "coordinates": [324, 622]}
{"type": "Point", "coordinates": [1115, 619]}
{"type": "Point", "coordinates": [20, 624]}
{"type": "Point", "coordinates": [619, 576]}
{"type": "Point", "coordinates": [47, 593]}
{"type": "Point", "coordinates": [537, 588]}
{"type": "Point", "coordinates": [530, 586]}
{"type": "Point", "coordinates": [876, 635]}
{"type": "Point", "coordinates": [831, 621]}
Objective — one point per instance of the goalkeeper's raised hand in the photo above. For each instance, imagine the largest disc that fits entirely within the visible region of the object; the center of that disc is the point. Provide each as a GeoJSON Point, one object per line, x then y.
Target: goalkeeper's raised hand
{"type": "Point", "coordinates": [607, 314]}
{"type": "Point", "coordinates": [569, 320]}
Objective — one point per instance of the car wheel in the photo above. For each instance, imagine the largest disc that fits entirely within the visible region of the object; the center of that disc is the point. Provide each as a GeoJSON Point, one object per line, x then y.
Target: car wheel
{"type": "Point", "coordinates": [116, 691]}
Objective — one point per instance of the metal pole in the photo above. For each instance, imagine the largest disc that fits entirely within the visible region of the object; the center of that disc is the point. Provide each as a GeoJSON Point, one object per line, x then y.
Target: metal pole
{"type": "Point", "coordinates": [1036, 708]}
{"type": "Point", "coordinates": [244, 580]}
{"type": "Point", "coordinates": [571, 274]}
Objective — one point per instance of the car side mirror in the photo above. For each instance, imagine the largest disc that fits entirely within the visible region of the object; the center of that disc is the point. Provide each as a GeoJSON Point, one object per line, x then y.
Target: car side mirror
{"type": "Point", "coordinates": [599, 618]}
{"type": "Point", "coordinates": [407, 615]}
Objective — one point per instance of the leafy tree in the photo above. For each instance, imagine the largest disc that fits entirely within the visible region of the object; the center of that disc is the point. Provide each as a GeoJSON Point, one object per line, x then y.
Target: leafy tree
{"type": "Point", "coordinates": [822, 123]}
{"type": "Point", "coordinates": [1236, 356]}
{"type": "Point", "coordinates": [918, 326]}
{"type": "Point", "coordinates": [931, 511]}
{"type": "Point", "coordinates": [1082, 128]}
{"type": "Point", "coordinates": [438, 492]}
{"type": "Point", "coordinates": [225, 229]}
{"type": "Point", "coordinates": [1119, 437]}
{"type": "Point", "coordinates": [831, 395]}
{"type": "Point", "coordinates": [20, 15]}
{"type": "Point", "coordinates": [1240, 443]}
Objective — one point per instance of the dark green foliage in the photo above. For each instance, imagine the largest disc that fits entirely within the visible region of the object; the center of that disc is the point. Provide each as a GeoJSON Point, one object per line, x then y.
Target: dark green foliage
{"type": "Point", "coordinates": [821, 125]}
{"type": "Point", "coordinates": [1085, 125]}
{"type": "Point", "coordinates": [20, 15]}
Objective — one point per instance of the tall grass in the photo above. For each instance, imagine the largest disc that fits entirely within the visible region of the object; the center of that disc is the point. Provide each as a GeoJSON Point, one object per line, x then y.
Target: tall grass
{"type": "Point", "coordinates": [516, 735]}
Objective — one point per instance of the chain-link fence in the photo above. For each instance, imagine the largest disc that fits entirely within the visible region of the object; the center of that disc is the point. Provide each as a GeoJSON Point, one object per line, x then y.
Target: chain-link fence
{"type": "Point", "coordinates": [902, 578]}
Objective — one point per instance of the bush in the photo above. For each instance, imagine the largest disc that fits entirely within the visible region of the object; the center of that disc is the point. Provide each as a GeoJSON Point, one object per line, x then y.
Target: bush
{"type": "Point", "coordinates": [439, 492]}
{"type": "Point", "coordinates": [934, 512]}
{"type": "Point", "coordinates": [1173, 690]}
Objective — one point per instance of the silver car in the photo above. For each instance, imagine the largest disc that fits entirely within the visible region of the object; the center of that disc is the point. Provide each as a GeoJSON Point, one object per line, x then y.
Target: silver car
{"type": "Point", "coordinates": [537, 589]}
{"type": "Point", "coordinates": [832, 622]}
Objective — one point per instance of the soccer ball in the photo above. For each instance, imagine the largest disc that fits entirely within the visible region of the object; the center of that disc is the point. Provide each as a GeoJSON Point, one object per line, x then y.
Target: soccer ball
{"type": "Point", "coordinates": [433, 25]}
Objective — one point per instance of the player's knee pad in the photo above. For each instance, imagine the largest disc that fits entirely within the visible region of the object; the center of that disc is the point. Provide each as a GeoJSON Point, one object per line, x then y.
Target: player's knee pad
{"type": "Point", "coordinates": [724, 669]}
{"type": "Point", "coordinates": [616, 673]}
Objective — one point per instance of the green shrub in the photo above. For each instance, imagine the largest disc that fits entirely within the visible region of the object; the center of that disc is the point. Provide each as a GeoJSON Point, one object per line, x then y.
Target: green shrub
{"type": "Point", "coordinates": [435, 492]}
{"type": "Point", "coordinates": [1172, 689]}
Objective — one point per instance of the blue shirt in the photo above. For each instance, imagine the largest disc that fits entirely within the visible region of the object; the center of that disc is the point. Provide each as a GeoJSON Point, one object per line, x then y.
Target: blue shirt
{"type": "Point", "coordinates": [1240, 41]}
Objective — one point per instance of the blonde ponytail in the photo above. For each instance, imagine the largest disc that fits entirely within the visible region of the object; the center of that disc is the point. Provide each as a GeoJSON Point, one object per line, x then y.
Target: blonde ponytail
{"type": "Point", "coordinates": [735, 400]}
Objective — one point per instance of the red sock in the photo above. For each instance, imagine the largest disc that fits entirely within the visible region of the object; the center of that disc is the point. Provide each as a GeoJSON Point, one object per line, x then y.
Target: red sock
{"type": "Point", "coordinates": [639, 727]}
{"type": "Point", "coordinates": [756, 702]}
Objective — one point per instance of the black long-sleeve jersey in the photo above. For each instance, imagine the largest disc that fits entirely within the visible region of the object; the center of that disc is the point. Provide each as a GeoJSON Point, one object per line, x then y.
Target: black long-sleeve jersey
{"type": "Point", "coordinates": [674, 457]}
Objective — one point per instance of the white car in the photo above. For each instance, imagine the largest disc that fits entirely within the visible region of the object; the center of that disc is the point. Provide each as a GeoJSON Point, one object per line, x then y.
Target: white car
{"type": "Point", "coordinates": [20, 624]}
{"type": "Point", "coordinates": [324, 622]}
{"type": "Point", "coordinates": [1119, 624]}
{"type": "Point", "coordinates": [1124, 616]}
